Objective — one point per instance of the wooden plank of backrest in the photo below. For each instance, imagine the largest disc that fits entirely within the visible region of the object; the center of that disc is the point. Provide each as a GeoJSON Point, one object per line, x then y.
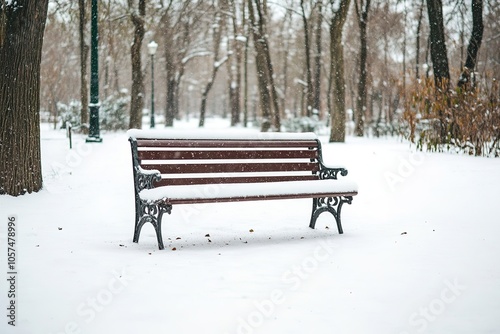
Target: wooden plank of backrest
{"type": "Point", "coordinates": [222, 180]}
{"type": "Point", "coordinates": [225, 143]}
{"type": "Point", "coordinates": [227, 154]}
{"type": "Point", "coordinates": [232, 168]}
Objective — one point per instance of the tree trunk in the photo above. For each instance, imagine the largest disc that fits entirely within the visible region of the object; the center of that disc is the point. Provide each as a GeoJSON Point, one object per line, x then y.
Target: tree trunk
{"type": "Point", "coordinates": [474, 43]}
{"type": "Point", "coordinates": [137, 95]}
{"type": "Point", "coordinates": [246, 27]}
{"type": "Point", "coordinates": [362, 14]}
{"type": "Point", "coordinates": [284, 55]}
{"type": "Point", "coordinates": [337, 113]}
{"type": "Point", "coordinates": [317, 61]}
{"type": "Point", "coordinates": [404, 48]}
{"type": "Point", "coordinates": [170, 73]}
{"type": "Point", "coordinates": [276, 116]}
{"type": "Point", "coordinates": [84, 57]}
{"type": "Point", "coordinates": [170, 109]}
{"type": "Point", "coordinates": [217, 35]}
{"type": "Point", "coordinates": [439, 55]}
{"type": "Point", "coordinates": [21, 39]}
{"type": "Point", "coordinates": [262, 75]}
{"type": "Point", "coordinates": [235, 69]}
{"type": "Point", "coordinates": [417, 46]}
{"type": "Point", "coordinates": [172, 70]}
{"type": "Point", "coordinates": [310, 93]}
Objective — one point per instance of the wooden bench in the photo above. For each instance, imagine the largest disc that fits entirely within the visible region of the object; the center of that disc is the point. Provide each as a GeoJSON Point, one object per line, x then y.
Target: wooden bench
{"type": "Point", "coordinates": [175, 167]}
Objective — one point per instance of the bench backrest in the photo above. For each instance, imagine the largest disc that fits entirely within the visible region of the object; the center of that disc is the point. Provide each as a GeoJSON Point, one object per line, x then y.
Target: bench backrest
{"type": "Point", "coordinates": [207, 161]}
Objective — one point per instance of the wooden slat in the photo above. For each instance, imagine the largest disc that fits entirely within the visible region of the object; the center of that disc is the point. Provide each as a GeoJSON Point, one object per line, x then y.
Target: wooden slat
{"type": "Point", "coordinates": [232, 168]}
{"type": "Point", "coordinates": [229, 154]}
{"type": "Point", "coordinates": [225, 143]}
{"type": "Point", "coordinates": [261, 197]}
{"type": "Point", "coordinates": [223, 180]}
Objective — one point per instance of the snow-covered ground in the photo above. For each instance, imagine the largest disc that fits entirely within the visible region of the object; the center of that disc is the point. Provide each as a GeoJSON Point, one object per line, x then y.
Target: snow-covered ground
{"type": "Point", "coordinates": [419, 253]}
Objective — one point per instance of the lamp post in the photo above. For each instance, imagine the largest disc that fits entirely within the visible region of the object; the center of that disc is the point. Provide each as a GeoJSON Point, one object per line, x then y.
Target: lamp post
{"type": "Point", "coordinates": [152, 46]}
{"type": "Point", "coordinates": [94, 80]}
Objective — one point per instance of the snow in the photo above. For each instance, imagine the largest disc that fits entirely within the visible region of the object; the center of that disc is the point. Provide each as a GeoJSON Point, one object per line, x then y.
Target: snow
{"type": "Point", "coordinates": [195, 54]}
{"type": "Point", "coordinates": [238, 190]}
{"type": "Point", "coordinates": [230, 134]}
{"type": "Point", "coordinates": [241, 38]}
{"type": "Point", "coordinates": [418, 253]}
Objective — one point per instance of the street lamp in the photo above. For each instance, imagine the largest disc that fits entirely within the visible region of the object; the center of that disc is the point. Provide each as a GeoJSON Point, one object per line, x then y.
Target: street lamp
{"type": "Point", "coordinates": [94, 79]}
{"type": "Point", "coordinates": [152, 46]}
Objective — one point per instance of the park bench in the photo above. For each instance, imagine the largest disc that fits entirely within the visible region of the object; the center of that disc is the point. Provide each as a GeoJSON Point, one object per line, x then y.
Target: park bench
{"type": "Point", "coordinates": [175, 167]}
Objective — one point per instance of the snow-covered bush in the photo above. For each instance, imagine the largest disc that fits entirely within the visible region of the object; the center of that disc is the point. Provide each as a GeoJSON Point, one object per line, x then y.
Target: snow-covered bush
{"type": "Point", "coordinates": [303, 124]}
{"type": "Point", "coordinates": [69, 113]}
{"type": "Point", "coordinates": [114, 112]}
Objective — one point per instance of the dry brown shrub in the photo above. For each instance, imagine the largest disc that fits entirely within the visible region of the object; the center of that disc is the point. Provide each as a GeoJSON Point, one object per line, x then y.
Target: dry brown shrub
{"type": "Point", "coordinates": [466, 121]}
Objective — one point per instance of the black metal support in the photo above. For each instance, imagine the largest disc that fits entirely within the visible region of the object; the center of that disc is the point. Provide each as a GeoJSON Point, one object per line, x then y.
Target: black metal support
{"type": "Point", "coordinates": [328, 172]}
{"type": "Point", "coordinates": [152, 125]}
{"type": "Point", "coordinates": [145, 211]}
{"type": "Point", "coordinates": [332, 205]}
{"type": "Point", "coordinates": [68, 128]}
{"type": "Point", "coordinates": [151, 213]}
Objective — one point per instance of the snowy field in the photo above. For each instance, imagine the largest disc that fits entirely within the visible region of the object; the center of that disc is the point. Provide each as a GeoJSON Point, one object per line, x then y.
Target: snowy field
{"type": "Point", "coordinates": [419, 253]}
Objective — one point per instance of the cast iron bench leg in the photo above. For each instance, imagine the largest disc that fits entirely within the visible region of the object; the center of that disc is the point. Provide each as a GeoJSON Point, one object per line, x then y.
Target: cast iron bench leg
{"type": "Point", "coordinates": [151, 213]}
{"type": "Point", "coordinates": [330, 204]}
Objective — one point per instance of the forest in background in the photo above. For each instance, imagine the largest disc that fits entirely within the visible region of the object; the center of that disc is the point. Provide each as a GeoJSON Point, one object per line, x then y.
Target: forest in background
{"type": "Point", "coordinates": [204, 43]}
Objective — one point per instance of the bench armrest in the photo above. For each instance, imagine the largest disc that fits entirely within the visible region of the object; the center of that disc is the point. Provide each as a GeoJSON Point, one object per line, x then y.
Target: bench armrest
{"type": "Point", "coordinates": [331, 173]}
{"type": "Point", "coordinates": [144, 179]}
{"type": "Point", "coordinates": [328, 172]}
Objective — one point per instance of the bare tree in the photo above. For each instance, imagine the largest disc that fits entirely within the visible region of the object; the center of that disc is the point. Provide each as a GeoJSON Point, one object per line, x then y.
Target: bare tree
{"type": "Point", "coordinates": [262, 13]}
{"type": "Point", "coordinates": [474, 43]}
{"type": "Point", "coordinates": [339, 9]}
{"type": "Point", "coordinates": [439, 54]}
{"type": "Point", "coordinates": [234, 65]}
{"type": "Point", "coordinates": [56, 82]}
{"type": "Point", "coordinates": [217, 28]}
{"type": "Point", "coordinates": [417, 41]}
{"type": "Point", "coordinates": [317, 58]}
{"type": "Point", "coordinates": [246, 28]}
{"type": "Point", "coordinates": [267, 89]}
{"type": "Point", "coordinates": [22, 25]}
{"type": "Point", "coordinates": [286, 37]}
{"type": "Point", "coordinates": [178, 24]}
{"type": "Point", "coordinates": [137, 96]}
{"type": "Point", "coordinates": [362, 9]}
{"type": "Point", "coordinates": [307, 45]}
